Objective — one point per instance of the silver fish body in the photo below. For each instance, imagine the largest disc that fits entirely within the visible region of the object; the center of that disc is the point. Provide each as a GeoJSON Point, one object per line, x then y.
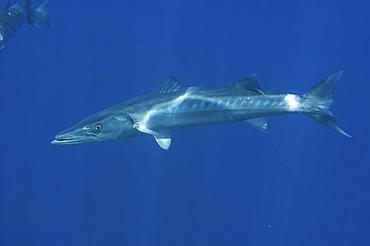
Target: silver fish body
{"type": "Point", "coordinates": [175, 108]}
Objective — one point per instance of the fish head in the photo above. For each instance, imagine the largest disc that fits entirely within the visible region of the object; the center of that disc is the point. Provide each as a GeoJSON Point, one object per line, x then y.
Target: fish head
{"type": "Point", "coordinates": [97, 128]}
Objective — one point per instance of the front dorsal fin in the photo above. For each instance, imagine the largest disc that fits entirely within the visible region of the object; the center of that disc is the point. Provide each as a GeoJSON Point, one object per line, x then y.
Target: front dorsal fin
{"type": "Point", "coordinates": [170, 84]}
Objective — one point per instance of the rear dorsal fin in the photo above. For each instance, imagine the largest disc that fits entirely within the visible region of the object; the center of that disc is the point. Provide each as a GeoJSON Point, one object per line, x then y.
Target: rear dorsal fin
{"type": "Point", "coordinates": [170, 84]}
{"type": "Point", "coordinates": [250, 82]}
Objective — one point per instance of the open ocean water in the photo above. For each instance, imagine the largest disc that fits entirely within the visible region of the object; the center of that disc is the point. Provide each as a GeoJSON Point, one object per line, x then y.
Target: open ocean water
{"type": "Point", "coordinates": [300, 184]}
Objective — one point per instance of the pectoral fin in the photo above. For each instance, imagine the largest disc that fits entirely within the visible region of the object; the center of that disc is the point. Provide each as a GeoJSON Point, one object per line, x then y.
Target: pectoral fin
{"type": "Point", "coordinates": [163, 139]}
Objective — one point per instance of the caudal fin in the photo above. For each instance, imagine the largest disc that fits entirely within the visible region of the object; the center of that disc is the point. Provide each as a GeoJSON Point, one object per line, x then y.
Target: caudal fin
{"type": "Point", "coordinates": [323, 96]}
{"type": "Point", "coordinates": [40, 15]}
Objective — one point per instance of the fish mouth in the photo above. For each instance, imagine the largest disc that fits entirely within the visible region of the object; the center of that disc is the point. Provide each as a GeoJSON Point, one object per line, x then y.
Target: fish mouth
{"type": "Point", "coordinates": [69, 140]}
{"type": "Point", "coordinates": [66, 141]}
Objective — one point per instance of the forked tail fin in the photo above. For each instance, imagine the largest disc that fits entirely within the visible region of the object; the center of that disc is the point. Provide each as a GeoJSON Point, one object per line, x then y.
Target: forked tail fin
{"type": "Point", "coordinates": [323, 96]}
{"type": "Point", "coordinates": [42, 14]}
{"type": "Point", "coordinates": [39, 15]}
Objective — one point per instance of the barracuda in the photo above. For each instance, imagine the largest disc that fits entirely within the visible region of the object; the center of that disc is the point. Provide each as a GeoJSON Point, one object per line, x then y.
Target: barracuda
{"type": "Point", "coordinates": [12, 18]}
{"type": "Point", "coordinates": [173, 107]}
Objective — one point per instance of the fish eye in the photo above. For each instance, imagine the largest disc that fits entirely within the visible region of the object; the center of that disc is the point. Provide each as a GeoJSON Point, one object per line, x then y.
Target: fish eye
{"type": "Point", "coordinates": [98, 127]}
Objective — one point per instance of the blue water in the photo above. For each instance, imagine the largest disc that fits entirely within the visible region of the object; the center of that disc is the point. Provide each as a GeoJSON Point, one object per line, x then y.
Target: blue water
{"type": "Point", "coordinates": [300, 184]}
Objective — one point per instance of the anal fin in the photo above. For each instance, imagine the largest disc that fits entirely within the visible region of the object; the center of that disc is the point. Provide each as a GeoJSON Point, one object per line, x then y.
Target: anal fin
{"type": "Point", "coordinates": [259, 123]}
